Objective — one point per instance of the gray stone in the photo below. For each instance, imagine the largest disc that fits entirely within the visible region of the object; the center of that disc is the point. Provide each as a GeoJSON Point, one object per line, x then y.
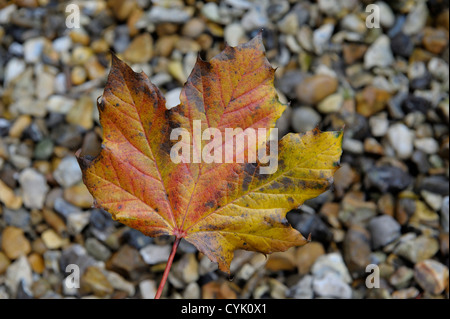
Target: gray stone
{"type": "Point", "coordinates": [332, 263]}
{"type": "Point", "coordinates": [387, 17]}
{"type": "Point", "coordinates": [17, 218]}
{"type": "Point", "coordinates": [77, 221]}
{"type": "Point", "coordinates": [379, 53]}
{"type": "Point", "coordinates": [68, 172]}
{"type": "Point", "coordinates": [255, 18]}
{"type": "Point", "coordinates": [13, 69]}
{"type": "Point", "coordinates": [158, 14]}
{"type": "Point", "coordinates": [18, 272]}
{"type": "Point", "coordinates": [384, 230]}
{"type": "Point", "coordinates": [33, 49]}
{"type": "Point", "coordinates": [97, 250]}
{"type": "Point", "coordinates": [379, 124]}
{"type": "Point", "coordinates": [302, 289]}
{"type": "Point", "coordinates": [332, 286]}
{"type": "Point", "coordinates": [155, 254]}
{"type": "Point", "coordinates": [119, 283]}
{"type": "Point", "coordinates": [416, 19]}
{"type": "Point", "coordinates": [427, 145]}
{"type": "Point", "coordinates": [34, 186]}
{"type": "Point", "coordinates": [322, 36]}
{"type": "Point", "coordinates": [233, 33]}
{"type": "Point", "coordinates": [147, 289]}
{"type": "Point", "coordinates": [304, 119]}
{"type": "Point", "coordinates": [401, 139]}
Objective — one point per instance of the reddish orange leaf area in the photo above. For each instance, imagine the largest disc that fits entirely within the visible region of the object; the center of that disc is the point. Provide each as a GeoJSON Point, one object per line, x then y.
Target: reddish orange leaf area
{"type": "Point", "coordinates": [218, 207]}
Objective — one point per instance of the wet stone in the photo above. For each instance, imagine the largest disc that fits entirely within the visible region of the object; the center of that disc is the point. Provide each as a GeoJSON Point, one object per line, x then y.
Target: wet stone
{"type": "Point", "coordinates": [127, 261]}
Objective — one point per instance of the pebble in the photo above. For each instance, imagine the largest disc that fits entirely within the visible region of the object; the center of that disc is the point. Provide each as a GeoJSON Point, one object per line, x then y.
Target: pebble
{"type": "Point", "coordinates": [155, 254]}
{"type": "Point", "coordinates": [18, 218]}
{"type": "Point", "coordinates": [127, 261]}
{"type": "Point", "coordinates": [379, 124]}
{"type": "Point", "coordinates": [148, 289]}
{"type": "Point", "coordinates": [432, 276]}
{"type": "Point", "coordinates": [119, 283]}
{"type": "Point", "coordinates": [94, 281]}
{"type": "Point", "coordinates": [8, 197]}
{"type": "Point", "coordinates": [307, 255]}
{"type": "Point", "coordinates": [357, 249]}
{"type": "Point", "coordinates": [233, 33]}
{"type": "Point", "coordinates": [18, 273]}
{"type": "Point", "coordinates": [34, 187]}
{"type": "Point", "coordinates": [427, 145]}
{"type": "Point", "coordinates": [371, 100]}
{"type": "Point", "coordinates": [78, 195]}
{"type": "Point", "coordinates": [158, 14]}
{"type": "Point", "coordinates": [314, 89]}
{"type": "Point", "coordinates": [401, 139]}
{"type": "Point", "coordinates": [36, 263]}
{"type": "Point", "coordinates": [52, 240]}
{"type": "Point", "coordinates": [97, 250]}
{"type": "Point", "coordinates": [332, 286]}
{"type": "Point", "coordinates": [387, 17]}
{"type": "Point", "coordinates": [81, 113]}
{"type": "Point", "coordinates": [331, 103]}
{"type": "Point", "coordinates": [73, 254]}
{"type": "Point", "coordinates": [77, 221]}
{"type": "Point", "coordinates": [418, 249]}
{"type": "Point", "coordinates": [408, 293]}
{"type": "Point", "coordinates": [331, 263]}
{"type": "Point", "coordinates": [321, 37]}
{"type": "Point", "coordinates": [416, 19]}
{"type": "Point", "coordinates": [384, 230]}
{"type": "Point", "coordinates": [304, 119]}
{"type": "Point", "coordinates": [356, 210]}
{"type": "Point", "coordinates": [302, 289]}
{"type": "Point", "coordinates": [379, 53]}
{"type": "Point", "coordinates": [401, 277]}
{"type": "Point", "coordinates": [14, 242]}
{"type": "Point", "coordinates": [387, 178]}
{"type": "Point", "coordinates": [140, 49]}
{"type": "Point", "coordinates": [33, 49]}
{"type": "Point", "coordinates": [68, 172]}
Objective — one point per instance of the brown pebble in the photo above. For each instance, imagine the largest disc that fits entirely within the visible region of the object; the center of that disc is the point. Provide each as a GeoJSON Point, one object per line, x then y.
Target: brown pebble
{"type": "Point", "coordinates": [94, 281]}
{"type": "Point", "coordinates": [36, 262]}
{"type": "Point", "coordinates": [435, 40]}
{"type": "Point", "coordinates": [55, 221]}
{"type": "Point", "coordinates": [315, 88]}
{"type": "Point", "coordinates": [281, 260]}
{"type": "Point", "coordinates": [19, 125]}
{"type": "Point", "coordinates": [14, 242]}
{"type": "Point", "coordinates": [140, 49]}
{"type": "Point", "coordinates": [353, 52]}
{"type": "Point", "coordinates": [371, 100]}
{"type": "Point", "coordinates": [307, 255]}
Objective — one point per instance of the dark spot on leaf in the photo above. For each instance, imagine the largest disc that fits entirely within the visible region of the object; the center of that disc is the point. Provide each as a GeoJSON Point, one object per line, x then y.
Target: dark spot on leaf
{"type": "Point", "coordinates": [210, 204]}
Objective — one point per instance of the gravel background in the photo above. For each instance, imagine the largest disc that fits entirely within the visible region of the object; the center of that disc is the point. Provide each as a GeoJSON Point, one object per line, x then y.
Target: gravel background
{"type": "Point", "coordinates": [388, 86]}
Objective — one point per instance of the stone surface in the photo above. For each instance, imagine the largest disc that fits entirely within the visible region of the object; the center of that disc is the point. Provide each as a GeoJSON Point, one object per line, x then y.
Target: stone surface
{"type": "Point", "coordinates": [68, 172]}
{"type": "Point", "coordinates": [304, 119]}
{"type": "Point", "coordinates": [384, 229]}
{"type": "Point", "coordinates": [14, 242]}
{"type": "Point", "coordinates": [379, 53]}
{"type": "Point", "coordinates": [315, 88]}
{"type": "Point", "coordinates": [432, 276]}
{"type": "Point", "coordinates": [34, 187]}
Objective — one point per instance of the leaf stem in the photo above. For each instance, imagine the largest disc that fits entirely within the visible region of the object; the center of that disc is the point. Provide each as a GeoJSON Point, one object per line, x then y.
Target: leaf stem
{"type": "Point", "coordinates": [167, 269]}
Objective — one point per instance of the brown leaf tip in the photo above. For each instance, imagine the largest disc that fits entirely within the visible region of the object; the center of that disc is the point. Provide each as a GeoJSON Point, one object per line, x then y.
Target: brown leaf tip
{"type": "Point", "coordinates": [309, 238]}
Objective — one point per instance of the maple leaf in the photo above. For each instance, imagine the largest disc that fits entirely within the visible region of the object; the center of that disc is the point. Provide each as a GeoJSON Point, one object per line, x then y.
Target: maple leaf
{"type": "Point", "coordinates": [218, 207]}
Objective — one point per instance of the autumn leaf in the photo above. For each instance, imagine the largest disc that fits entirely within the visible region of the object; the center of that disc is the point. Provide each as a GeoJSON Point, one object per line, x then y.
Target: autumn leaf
{"type": "Point", "coordinates": [218, 207]}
